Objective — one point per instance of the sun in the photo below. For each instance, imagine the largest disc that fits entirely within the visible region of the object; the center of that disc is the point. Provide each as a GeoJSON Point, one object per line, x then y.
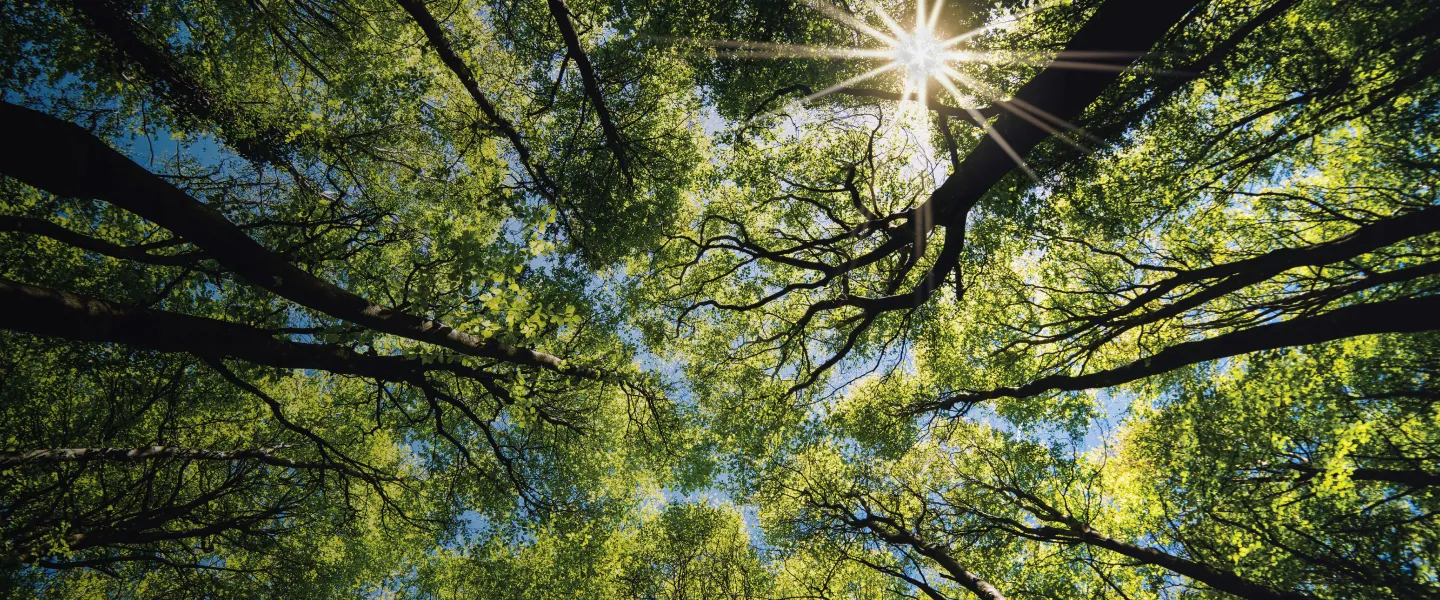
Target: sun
{"type": "Point", "coordinates": [921, 55]}
{"type": "Point", "coordinates": [926, 58]}
{"type": "Point", "coordinates": [916, 50]}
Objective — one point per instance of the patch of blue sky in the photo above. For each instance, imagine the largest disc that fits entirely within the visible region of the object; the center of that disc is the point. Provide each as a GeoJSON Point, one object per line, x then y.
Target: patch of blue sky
{"type": "Point", "coordinates": [145, 143]}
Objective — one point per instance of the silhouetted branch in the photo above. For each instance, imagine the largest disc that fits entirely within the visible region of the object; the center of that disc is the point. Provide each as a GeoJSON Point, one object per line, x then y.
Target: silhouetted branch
{"type": "Point", "coordinates": [64, 159]}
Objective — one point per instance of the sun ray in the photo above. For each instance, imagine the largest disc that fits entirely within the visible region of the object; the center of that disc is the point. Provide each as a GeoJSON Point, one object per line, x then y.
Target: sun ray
{"type": "Point", "coordinates": [1025, 108]}
{"type": "Point", "coordinates": [1072, 64]}
{"type": "Point", "coordinates": [989, 130]}
{"type": "Point", "coordinates": [993, 25]}
{"type": "Point", "coordinates": [954, 91]}
{"type": "Point", "coordinates": [1043, 114]}
{"type": "Point", "coordinates": [823, 53]}
{"type": "Point", "coordinates": [851, 81]}
{"type": "Point", "coordinates": [855, 23]}
{"type": "Point", "coordinates": [1039, 58]}
{"type": "Point", "coordinates": [888, 20]}
{"type": "Point", "coordinates": [1019, 108]}
{"type": "Point", "coordinates": [1088, 66]}
{"type": "Point", "coordinates": [923, 57]}
{"type": "Point", "coordinates": [781, 49]}
{"type": "Point", "coordinates": [922, 95]}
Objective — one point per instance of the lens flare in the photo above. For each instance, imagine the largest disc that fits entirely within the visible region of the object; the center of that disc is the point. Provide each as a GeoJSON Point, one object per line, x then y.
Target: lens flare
{"type": "Point", "coordinates": [921, 55]}
{"type": "Point", "coordinates": [924, 58]}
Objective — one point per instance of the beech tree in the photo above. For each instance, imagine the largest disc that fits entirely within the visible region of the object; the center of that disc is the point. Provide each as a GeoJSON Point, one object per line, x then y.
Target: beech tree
{"type": "Point", "coordinates": [730, 299]}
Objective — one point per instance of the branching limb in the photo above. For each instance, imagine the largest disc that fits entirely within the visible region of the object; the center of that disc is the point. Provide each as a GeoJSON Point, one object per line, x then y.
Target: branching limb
{"type": "Point", "coordinates": [65, 159]}
{"type": "Point", "coordinates": [60, 234]}
{"type": "Point", "coordinates": [1236, 275]}
{"type": "Point", "coordinates": [1120, 29]}
{"type": "Point", "coordinates": [438, 41]}
{"type": "Point", "coordinates": [109, 18]}
{"type": "Point", "coordinates": [893, 533]}
{"type": "Point", "coordinates": [933, 103]}
{"type": "Point", "coordinates": [1395, 316]}
{"type": "Point", "coordinates": [588, 80]}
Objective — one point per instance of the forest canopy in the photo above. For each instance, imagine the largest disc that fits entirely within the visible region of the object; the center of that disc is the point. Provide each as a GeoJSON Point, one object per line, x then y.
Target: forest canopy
{"type": "Point", "coordinates": [720, 299]}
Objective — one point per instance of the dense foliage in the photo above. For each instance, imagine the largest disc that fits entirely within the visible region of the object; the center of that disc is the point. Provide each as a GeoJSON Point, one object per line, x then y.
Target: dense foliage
{"type": "Point", "coordinates": [668, 299]}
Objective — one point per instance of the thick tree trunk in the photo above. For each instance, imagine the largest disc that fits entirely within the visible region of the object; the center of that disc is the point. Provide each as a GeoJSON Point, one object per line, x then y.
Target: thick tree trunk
{"type": "Point", "coordinates": [62, 158]}
{"type": "Point", "coordinates": [1117, 28]}
{"type": "Point", "coordinates": [42, 311]}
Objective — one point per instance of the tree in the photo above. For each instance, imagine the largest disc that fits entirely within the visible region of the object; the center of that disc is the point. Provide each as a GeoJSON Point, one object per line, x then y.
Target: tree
{"type": "Point", "coordinates": [726, 299]}
{"type": "Point", "coordinates": [293, 171]}
{"type": "Point", "coordinates": [1216, 484]}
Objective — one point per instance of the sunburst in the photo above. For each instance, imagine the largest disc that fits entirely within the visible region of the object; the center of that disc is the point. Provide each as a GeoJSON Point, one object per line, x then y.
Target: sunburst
{"type": "Point", "coordinates": [918, 51]}
{"type": "Point", "coordinates": [926, 58]}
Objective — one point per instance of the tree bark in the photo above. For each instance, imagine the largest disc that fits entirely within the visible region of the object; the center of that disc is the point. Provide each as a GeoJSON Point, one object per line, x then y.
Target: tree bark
{"type": "Point", "coordinates": [60, 234]}
{"type": "Point", "coordinates": [965, 577]}
{"type": "Point", "coordinates": [1117, 27]}
{"type": "Point", "coordinates": [1218, 579]}
{"type": "Point", "coordinates": [561, 13]}
{"type": "Point", "coordinates": [64, 159]}
{"type": "Point", "coordinates": [43, 311]}
{"type": "Point", "coordinates": [63, 455]}
{"type": "Point", "coordinates": [1395, 316]}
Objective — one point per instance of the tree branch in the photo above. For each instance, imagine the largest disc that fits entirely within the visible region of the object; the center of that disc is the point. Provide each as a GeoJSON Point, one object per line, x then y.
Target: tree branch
{"type": "Point", "coordinates": [886, 529]}
{"type": "Point", "coordinates": [42, 311]}
{"type": "Point", "coordinates": [188, 95]}
{"type": "Point", "coordinates": [933, 102]}
{"type": "Point", "coordinates": [66, 160]}
{"type": "Point", "coordinates": [260, 455]}
{"type": "Point", "coordinates": [1239, 274]}
{"type": "Point", "coordinates": [60, 234]}
{"type": "Point", "coordinates": [1117, 28]}
{"type": "Point", "coordinates": [1410, 477]}
{"type": "Point", "coordinates": [1216, 578]}
{"type": "Point", "coordinates": [588, 80]}
{"type": "Point", "coordinates": [436, 35]}
{"type": "Point", "coordinates": [1116, 32]}
{"type": "Point", "coordinates": [1395, 316]}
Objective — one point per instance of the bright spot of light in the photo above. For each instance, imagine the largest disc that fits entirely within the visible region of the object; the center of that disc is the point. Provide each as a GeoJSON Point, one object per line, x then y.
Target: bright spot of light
{"type": "Point", "coordinates": [921, 54]}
